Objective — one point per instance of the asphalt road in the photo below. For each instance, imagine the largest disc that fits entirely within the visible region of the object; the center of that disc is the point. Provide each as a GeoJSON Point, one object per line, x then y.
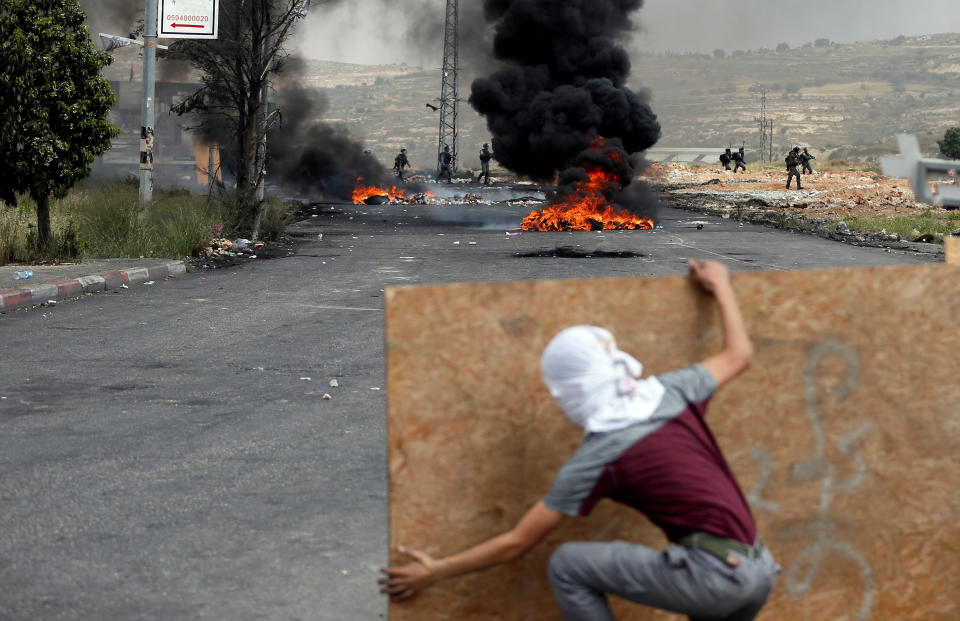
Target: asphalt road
{"type": "Point", "coordinates": [165, 451]}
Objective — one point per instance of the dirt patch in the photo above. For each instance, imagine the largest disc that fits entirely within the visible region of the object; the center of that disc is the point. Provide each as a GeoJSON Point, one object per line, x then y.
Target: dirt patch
{"type": "Point", "coordinates": [825, 194]}
{"type": "Point", "coordinates": [826, 199]}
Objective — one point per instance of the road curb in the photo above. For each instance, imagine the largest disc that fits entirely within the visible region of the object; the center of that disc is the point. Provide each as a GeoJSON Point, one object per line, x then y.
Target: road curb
{"type": "Point", "coordinates": [72, 287]}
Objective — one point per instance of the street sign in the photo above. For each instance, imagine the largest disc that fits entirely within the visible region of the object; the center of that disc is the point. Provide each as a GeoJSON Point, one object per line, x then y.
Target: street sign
{"type": "Point", "coordinates": [188, 19]}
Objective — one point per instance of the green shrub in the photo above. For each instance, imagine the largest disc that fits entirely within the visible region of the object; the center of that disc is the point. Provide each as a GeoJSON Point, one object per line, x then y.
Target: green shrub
{"type": "Point", "coordinates": [950, 145]}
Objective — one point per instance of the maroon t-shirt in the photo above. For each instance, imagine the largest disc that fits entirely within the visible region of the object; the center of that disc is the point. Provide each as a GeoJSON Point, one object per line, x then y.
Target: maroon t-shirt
{"type": "Point", "coordinates": [670, 468]}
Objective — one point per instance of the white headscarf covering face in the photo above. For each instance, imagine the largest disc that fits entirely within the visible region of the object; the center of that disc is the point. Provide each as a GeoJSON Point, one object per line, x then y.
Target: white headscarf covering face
{"type": "Point", "coordinates": [596, 385]}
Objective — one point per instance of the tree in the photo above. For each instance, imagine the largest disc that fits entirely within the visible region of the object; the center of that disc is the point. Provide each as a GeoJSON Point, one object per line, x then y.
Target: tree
{"type": "Point", "coordinates": [236, 69]}
{"type": "Point", "coordinates": [53, 102]}
{"type": "Point", "coordinates": [950, 145]}
{"type": "Point", "coordinates": [783, 47]}
{"type": "Point", "coordinates": [718, 53]}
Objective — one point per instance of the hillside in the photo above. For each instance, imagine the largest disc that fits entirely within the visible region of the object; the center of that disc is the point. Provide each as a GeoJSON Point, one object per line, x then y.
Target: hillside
{"type": "Point", "coordinates": [845, 101]}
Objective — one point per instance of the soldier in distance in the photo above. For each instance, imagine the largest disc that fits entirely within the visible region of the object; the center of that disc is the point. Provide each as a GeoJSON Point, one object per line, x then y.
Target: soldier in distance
{"type": "Point", "coordinates": [446, 165]}
{"type": "Point", "coordinates": [485, 157]}
{"type": "Point", "coordinates": [805, 158]}
{"type": "Point", "coordinates": [726, 158]}
{"type": "Point", "coordinates": [739, 161]}
{"type": "Point", "coordinates": [793, 160]}
{"type": "Point", "coordinates": [399, 163]}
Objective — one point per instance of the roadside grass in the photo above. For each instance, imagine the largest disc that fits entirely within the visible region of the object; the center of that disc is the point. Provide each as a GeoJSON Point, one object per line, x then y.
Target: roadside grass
{"type": "Point", "coordinates": [113, 224]}
{"type": "Point", "coordinates": [926, 222]}
{"type": "Point", "coordinates": [909, 227]}
{"type": "Point", "coordinates": [105, 221]}
{"type": "Point", "coordinates": [18, 235]}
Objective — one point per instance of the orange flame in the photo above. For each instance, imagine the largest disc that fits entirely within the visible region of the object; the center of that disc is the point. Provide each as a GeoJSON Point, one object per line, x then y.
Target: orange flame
{"type": "Point", "coordinates": [586, 208]}
{"type": "Point", "coordinates": [361, 192]}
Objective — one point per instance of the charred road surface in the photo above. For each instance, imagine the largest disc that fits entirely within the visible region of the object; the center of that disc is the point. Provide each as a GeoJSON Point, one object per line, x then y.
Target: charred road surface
{"type": "Point", "coordinates": [168, 452]}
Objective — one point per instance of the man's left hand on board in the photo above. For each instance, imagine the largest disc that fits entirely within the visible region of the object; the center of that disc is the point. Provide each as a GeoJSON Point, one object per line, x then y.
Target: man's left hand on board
{"type": "Point", "coordinates": [406, 581]}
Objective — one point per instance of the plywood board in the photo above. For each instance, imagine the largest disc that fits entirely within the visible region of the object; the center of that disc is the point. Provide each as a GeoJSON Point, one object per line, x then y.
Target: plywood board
{"type": "Point", "coordinates": [952, 249]}
{"type": "Point", "coordinates": [844, 434]}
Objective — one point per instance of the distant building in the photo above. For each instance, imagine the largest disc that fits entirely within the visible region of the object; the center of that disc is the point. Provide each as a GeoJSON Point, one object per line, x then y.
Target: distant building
{"type": "Point", "coordinates": [176, 149]}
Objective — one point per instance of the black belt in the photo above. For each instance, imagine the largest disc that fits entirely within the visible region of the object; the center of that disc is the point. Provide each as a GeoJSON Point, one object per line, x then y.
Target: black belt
{"type": "Point", "coordinates": [720, 547]}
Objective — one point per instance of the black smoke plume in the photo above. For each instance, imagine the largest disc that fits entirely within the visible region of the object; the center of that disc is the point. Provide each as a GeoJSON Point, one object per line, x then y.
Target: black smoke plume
{"type": "Point", "coordinates": [118, 17]}
{"type": "Point", "coordinates": [309, 155]}
{"type": "Point", "coordinates": [561, 86]}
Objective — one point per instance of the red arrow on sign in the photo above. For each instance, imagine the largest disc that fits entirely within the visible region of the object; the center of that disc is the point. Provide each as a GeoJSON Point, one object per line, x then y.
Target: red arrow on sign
{"type": "Point", "coordinates": [186, 25]}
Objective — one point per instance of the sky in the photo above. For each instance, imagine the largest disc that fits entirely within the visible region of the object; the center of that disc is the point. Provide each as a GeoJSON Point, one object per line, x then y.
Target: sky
{"type": "Point", "coordinates": [379, 32]}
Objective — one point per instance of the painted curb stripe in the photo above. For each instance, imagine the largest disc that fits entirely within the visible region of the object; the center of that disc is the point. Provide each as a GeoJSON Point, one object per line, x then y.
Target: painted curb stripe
{"type": "Point", "coordinates": [93, 283]}
{"type": "Point", "coordinates": [157, 271]}
{"type": "Point", "coordinates": [113, 280]}
{"type": "Point", "coordinates": [69, 288]}
{"type": "Point", "coordinates": [137, 274]}
{"type": "Point", "coordinates": [17, 297]}
{"type": "Point", "coordinates": [43, 292]}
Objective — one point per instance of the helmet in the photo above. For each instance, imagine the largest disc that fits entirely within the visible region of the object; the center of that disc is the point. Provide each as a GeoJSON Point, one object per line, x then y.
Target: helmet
{"type": "Point", "coordinates": [403, 150]}
{"type": "Point", "coordinates": [485, 145]}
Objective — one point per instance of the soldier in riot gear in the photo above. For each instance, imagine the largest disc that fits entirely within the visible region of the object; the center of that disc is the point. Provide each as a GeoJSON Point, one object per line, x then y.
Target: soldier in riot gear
{"type": "Point", "coordinates": [726, 158]}
{"type": "Point", "coordinates": [739, 161]}
{"type": "Point", "coordinates": [793, 160]}
{"type": "Point", "coordinates": [485, 157]}
{"type": "Point", "coordinates": [446, 165]}
{"type": "Point", "coordinates": [805, 158]}
{"type": "Point", "coordinates": [399, 163]}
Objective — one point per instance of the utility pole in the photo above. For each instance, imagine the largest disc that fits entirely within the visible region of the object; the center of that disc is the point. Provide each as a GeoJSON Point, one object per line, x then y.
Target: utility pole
{"type": "Point", "coordinates": [449, 101]}
{"type": "Point", "coordinates": [766, 153]}
{"type": "Point", "coordinates": [766, 130]}
{"type": "Point", "coordinates": [770, 139]}
{"type": "Point", "coordinates": [147, 135]}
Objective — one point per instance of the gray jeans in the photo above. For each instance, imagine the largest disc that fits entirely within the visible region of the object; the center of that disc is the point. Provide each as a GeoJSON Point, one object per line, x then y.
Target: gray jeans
{"type": "Point", "coordinates": [684, 580]}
